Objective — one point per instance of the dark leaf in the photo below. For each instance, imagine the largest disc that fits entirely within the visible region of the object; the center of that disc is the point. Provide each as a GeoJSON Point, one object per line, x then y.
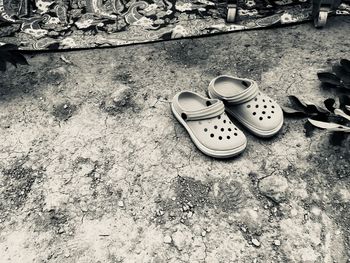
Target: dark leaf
{"type": "Point", "coordinates": [329, 78]}
{"type": "Point", "coordinates": [333, 118]}
{"type": "Point", "coordinates": [293, 112]}
{"type": "Point", "coordinates": [324, 117]}
{"type": "Point", "coordinates": [346, 64]}
{"type": "Point", "coordinates": [297, 101]}
{"type": "Point", "coordinates": [307, 106]}
{"type": "Point", "coordinates": [346, 85]}
{"type": "Point", "coordinates": [341, 72]}
{"type": "Point", "coordinates": [330, 104]}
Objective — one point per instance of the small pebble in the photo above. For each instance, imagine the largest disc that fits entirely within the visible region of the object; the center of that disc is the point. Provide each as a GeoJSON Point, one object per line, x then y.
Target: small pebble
{"type": "Point", "coordinates": [167, 239]}
{"type": "Point", "coordinates": [83, 207]}
{"type": "Point", "coordinates": [256, 242]}
{"type": "Point", "coordinates": [204, 233]}
{"type": "Point", "coordinates": [277, 242]}
{"type": "Point", "coordinates": [185, 208]}
{"type": "Point", "coordinates": [120, 203]}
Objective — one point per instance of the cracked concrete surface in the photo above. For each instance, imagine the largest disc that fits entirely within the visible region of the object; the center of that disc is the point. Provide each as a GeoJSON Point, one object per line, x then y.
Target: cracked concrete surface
{"type": "Point", "coordinates": [94, 167]}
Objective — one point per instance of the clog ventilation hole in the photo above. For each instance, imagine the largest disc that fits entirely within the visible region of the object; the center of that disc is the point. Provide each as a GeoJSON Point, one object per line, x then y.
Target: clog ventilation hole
{"type": "Point", "coordinates": [262, 107]}
{"type": "Point", "coordinates": [222, 128]}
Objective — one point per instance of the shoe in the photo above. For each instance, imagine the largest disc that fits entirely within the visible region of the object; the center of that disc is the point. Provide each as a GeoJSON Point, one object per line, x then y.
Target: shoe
{"type": "Point", "coordinates": [256, 111]}
{"type": "Point", "coordinates": [208, 125]}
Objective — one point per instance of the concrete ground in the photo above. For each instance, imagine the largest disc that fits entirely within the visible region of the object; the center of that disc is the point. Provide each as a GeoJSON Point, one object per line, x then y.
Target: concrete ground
{"type": "Point", "coordinates": [94, 167]}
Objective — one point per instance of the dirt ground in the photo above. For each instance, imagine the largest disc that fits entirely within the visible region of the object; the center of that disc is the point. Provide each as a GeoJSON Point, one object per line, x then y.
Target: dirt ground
{"type": "Point", "coordinates": [94, 167]}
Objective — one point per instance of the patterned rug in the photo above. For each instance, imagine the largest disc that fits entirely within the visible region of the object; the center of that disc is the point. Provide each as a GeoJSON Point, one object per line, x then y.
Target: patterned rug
{"type": "Point", "coordinates": [66, 24]}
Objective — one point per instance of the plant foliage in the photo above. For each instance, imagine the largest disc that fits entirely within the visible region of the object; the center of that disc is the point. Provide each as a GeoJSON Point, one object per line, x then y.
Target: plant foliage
{"type": "Point", "coordinates": [334, 114]}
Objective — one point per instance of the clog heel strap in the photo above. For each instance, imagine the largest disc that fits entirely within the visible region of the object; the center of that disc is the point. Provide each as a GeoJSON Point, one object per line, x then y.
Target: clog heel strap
{"type": "Point", "coordinates": [250, 92]}
{"type": "Point", "coordinates": [214, 108]}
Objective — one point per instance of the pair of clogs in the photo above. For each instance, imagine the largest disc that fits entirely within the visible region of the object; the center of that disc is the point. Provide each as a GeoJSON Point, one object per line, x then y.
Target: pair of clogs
{"type": "Point", "coordinates": [210, 128]}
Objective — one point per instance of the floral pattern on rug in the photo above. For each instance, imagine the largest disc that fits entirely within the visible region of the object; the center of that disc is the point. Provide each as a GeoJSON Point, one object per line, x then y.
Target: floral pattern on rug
{"type": "Point", "coordinates": [63, 24]}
